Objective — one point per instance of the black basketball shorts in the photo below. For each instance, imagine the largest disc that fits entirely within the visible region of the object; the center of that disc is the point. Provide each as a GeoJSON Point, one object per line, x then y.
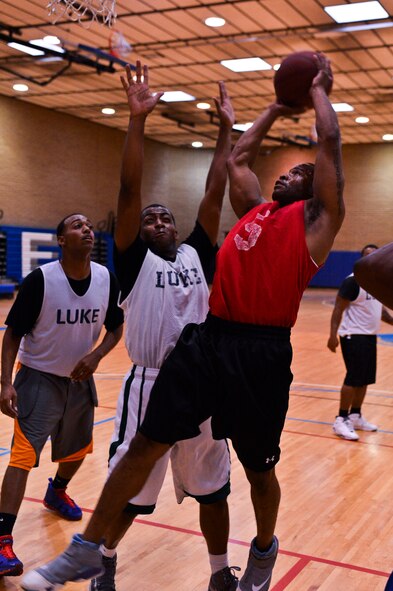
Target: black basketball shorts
{"type": "Point", "coordinates": [360, 358]}
{"type": "Point", "coordinates": [239, 375]}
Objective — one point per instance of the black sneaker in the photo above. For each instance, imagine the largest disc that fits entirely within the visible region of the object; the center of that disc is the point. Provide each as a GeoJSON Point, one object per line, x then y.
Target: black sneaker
{"type": "Point", "coordinates": [106, 581]}
{"type": "Point", "coordinates": [224, 579]}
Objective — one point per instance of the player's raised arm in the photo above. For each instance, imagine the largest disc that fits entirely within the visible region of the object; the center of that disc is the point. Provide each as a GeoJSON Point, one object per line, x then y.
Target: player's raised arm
{"type": "Point", "coordinates": [141, 102]}
{"type": "Point", "coordinates": [325, 212]}
{"type": "Point", "coordinates": [210, 208]}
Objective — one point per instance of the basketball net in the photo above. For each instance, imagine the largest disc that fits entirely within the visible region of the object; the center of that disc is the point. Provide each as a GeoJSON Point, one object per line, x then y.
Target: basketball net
{"type": "Point", "coordinates": [101, 11]}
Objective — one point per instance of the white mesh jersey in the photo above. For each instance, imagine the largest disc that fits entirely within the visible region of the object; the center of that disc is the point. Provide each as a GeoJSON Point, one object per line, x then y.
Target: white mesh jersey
{"type": "Point", "coordinates": [68, 325]}
{"type": "Point", "coordinates": [167, 295]}
{"type": "Point", "coordinates": [363, 315]}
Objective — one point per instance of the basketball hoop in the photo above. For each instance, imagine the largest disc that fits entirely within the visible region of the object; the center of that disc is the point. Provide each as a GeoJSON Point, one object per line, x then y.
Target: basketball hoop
{"type": "Point", "coordinates": [118, 45]}
{"type": "Point", "coordinates": [83, 11]}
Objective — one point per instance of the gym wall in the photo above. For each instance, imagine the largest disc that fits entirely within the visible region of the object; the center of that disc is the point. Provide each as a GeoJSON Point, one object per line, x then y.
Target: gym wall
{"type": "Point", "coordinates": [52, 164]}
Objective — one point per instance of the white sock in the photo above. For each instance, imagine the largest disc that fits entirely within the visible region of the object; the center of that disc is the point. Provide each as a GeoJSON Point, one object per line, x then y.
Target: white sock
{"type": "Point", "coordinates": [218, 562]}
{"type": "Point", "coordinates": [108, 552]}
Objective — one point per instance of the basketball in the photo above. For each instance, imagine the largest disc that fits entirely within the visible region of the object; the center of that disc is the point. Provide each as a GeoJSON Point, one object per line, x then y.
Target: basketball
{"type": "Point", "coordinates": [293, 79]}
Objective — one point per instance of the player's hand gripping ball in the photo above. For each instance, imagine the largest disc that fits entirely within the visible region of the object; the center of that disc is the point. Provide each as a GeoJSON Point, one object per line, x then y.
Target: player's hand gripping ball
{"type": "Point", "coordinates": [292, 81]}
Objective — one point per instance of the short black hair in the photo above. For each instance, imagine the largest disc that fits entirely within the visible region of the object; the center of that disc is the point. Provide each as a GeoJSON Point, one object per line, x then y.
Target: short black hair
{"type": "Point", "coordinates": [368, 246]}
{"type": "Point", "coordinates": [158, 205]}
{"type": "Point", "coordinates": [308, 169]}
{"type": "Point", "coordinates": [60, 225]}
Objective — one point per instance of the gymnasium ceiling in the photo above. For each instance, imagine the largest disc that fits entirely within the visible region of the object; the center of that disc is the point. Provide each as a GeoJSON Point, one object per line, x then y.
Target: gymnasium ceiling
{"type": "Point", "coordinates": [184, 54]}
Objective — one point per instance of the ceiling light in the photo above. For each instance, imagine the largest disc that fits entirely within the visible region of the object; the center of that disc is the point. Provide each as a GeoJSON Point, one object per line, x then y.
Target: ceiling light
{"type": "Point", "coordinates": [214, 21]}
{"type": "Point", "coordinates": [248, 64]}
{"type": "Point", "coordinates": [342, 107]}
{"type": "Point", "coordinates": [388, 137]}
{"type": "Point", "coordinates": [203, 106]}
{"type": "Point", "coordinates": [25, 48]}
{"type": "Point", "coordinates": [362, 119]}
{"type": "Point", "coordinates": [177, 96]}
{"type": "Point", "coordinates": [46, 45]}
{"type": "Point", "coordinates": [276, 67]}
{"type": "Point", "coordinates": [52, 40]}
{"type": "Point", "coordinates": [242, 126]}
{"type": "Point", "coordinates": [20, 87]}
{"type": "Point", "coordinates": [359, 11]}
{"type": "Point", "coordinates": [108, 111]}
{"type": "Point", "coordinates": [197, 144]}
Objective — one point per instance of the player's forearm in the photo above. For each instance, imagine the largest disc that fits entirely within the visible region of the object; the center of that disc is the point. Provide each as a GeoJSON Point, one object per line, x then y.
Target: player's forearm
{"type": "Point", "coordinates": [247, 147]}
{"type": "Point", "coordinates": [133, 156]}
{"type": "Point", "coordinates": [8, 355]}
{"type": "Point", "coordinates": [110, 340]}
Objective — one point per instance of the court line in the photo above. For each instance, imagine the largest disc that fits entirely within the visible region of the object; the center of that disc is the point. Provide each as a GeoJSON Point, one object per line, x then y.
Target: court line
{"type": "Point", "coordinates": [331, 388]}
{"type": "Point", "coordinates": [303, 557]}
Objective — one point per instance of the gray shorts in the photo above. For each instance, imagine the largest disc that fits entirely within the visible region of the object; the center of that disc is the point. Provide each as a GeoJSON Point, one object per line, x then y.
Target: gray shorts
{"type": "Point", "coordinates": [55, 407]}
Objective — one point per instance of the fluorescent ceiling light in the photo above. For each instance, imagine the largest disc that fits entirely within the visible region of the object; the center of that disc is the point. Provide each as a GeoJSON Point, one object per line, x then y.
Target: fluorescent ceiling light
{"type": "Point", "coordinates": [276, 67]}
{"type": "Point", "coordinates": [242, 126]}
{"type": "Point", "coordinates": [388, 137]}
{"type": "Point", "coordinates": [25, 49]}
{"type": "Point", "coordinates": [108, 111]}
{"type": "Point", "coordinates": [46, 45]}
{"type": "Point", "coordinates": [177, 96]}
{"type": "Point", "coordinates": [197, 144]}
{"type": "Point", "coordinates": [214, 21]}
{"type": "Point", "coordinates": [20, 87]}
{"type": "Point", "coordinates": [362, 119]}
{"type": "Point", "coordinates": [52, 39]}
{"type": "Point", "coordinates": [203, 106]}
{"type": "Point", "coordinates": [359, 11]}
{"type": "Point", "coordinates": [248, 64]}
{"type": "Point", "coordinates": [342, 107]}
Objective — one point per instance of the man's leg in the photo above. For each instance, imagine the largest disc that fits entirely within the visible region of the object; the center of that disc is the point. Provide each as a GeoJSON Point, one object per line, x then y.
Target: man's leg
{"type": "Point", "coordinates": [114, 534]}
{"type": "Point", "coordinates": [265, 496]}
{"type": "Point", "coordinates": [82, 559]}
{"type": "Point", "coordinates": [12, 492]}
{"type": "Point", "coordinates": [342, 426]}
{"type": "Point", "coordinates": [358, 421]}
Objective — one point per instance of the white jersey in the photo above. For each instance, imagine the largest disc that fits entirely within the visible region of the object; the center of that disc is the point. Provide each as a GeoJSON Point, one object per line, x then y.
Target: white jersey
{"type": "Point", "coordinates": [166, 296]}
{"type": "Point", "coordinates": [68, 325]}
{"type": "Point", "coordinates": [363, 315]}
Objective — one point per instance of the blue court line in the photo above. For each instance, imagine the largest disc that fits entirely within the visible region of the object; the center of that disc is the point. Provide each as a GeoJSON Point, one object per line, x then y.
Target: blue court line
{"type": "Point", "coordinates": [335, 391]}
{"type": "Point", "coordinates": [3, 327]}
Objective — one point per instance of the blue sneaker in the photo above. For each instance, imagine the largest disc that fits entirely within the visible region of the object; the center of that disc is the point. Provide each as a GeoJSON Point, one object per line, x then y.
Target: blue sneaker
{"type": "Point", "coordinates": [82, 560]}
{"type": "Point", "coordinates": [10, 565]}
{"type": "Point", "coordinates": [57, 500]}
{"type": "Point", "coordinates": [258, 574]}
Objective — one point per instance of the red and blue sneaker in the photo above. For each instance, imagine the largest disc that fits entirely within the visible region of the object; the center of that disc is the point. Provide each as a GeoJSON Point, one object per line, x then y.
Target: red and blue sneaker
{"type": "Point", "coordinates": [57, 500]}
{"type": "Point", "coordinates": [10, 565]}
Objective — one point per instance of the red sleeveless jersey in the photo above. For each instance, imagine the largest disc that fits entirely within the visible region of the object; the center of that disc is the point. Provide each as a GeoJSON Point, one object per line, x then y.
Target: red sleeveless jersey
{"type": "Point", "coordinates": [263, 267]}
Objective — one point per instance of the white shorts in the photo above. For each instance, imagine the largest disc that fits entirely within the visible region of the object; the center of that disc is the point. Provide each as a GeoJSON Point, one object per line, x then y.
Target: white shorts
{"type": "Point", "coordinates": [200, 466]}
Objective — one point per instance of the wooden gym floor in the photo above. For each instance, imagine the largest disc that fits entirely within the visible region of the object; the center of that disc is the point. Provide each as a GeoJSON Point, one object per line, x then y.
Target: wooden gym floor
{"type": "Point", "coordinates": [335, 523]}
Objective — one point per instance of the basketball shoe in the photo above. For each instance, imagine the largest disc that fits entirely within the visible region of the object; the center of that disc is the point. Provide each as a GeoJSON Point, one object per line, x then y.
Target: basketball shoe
{"type": "Point", "coordinates": [258, 574]}
{"type": "Point", "coordinates": [106, 581]}
{"type": "Point", "coordinates": [57, 500]}
{"type": "Point", "coordinates": [360, 424]}
{"type": "Point", "coordinates": [10, 565]}
{"type": "Point", "coordinates": [343, 428]}
{"type": "Point", "coordinates": [224, 579]}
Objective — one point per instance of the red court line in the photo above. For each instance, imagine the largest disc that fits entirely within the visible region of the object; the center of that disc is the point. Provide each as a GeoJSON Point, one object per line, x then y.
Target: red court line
{"type": "Point", "coordinates": [335, 438]}
{"type": "Point", "coordinates": [291, 574]}
{"type": "Point", "coordinates": [303, 557]}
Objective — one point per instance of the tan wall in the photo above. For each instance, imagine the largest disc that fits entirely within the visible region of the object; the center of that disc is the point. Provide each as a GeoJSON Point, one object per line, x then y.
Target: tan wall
{"type": "Point", "coordinates": [52, 164]}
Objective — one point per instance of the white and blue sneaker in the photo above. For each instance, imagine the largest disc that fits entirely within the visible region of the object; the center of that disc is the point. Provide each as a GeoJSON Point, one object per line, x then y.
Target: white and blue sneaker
{"type": "Point", "coordinates": [80, 561]}
{"type": "Point", "coordinates": [258, 574]}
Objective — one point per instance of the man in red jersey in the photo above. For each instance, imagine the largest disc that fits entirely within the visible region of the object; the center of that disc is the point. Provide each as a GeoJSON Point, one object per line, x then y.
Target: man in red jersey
{"type": "Point", "coordinates": [235, 367]}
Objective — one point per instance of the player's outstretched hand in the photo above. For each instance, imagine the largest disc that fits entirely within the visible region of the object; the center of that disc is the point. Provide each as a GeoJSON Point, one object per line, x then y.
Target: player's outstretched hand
{"type": "Point", "coordinates": [224, 107]}
{"type": "Point", "coordinates": [140, 100]}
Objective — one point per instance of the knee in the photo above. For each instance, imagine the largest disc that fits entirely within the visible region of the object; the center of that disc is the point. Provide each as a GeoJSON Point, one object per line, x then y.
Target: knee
{"type": "Point", "coordinates": [262, 482]}
{"type": "Point", "coordinates": [144, 449]}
